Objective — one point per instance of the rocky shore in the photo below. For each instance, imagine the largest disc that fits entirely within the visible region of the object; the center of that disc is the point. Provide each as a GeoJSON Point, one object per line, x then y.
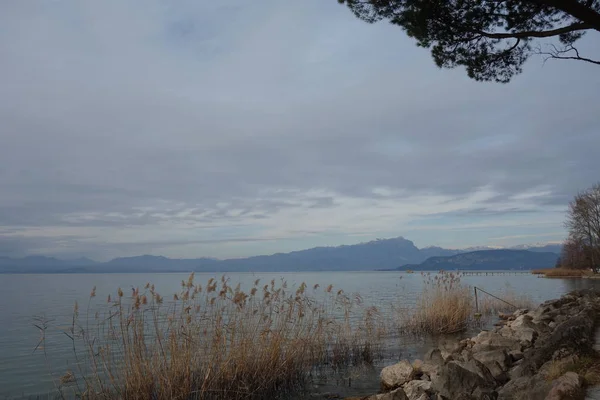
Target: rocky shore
{"type": "Point", "coordinates": [541, 354]}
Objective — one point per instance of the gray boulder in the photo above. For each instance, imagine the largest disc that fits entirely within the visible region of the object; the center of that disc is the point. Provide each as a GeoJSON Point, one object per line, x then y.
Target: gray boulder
{"type": "Point", "coordinates": [434, 356]}
{"type": "Point", "coordinates": [522, 329]}
{"type": "Point", "coordinates": [497, 372]}
{"type": "Point", "coordinates": [396, 375]}
{"type": "Point", "coordinates": [567, 387]}
{"type": "Point", "coordinates": [459, 378]}
{"type": "Point", "coordinates": [397, 394]}
{"type": "Point", "coordinates": [525, 388]}
{"type": "Point", "coordinates": [416, 390]}
{"type": "Point", "coordinates": [489, 357]}
{"type": "Point", "coordinates": [516, 355]}
{"type": "Point", "coordinates": [488, 340]}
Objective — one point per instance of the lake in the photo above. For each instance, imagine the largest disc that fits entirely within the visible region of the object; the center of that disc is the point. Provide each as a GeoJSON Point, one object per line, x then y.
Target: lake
{"type": "Point", "coordinates": [25, 373]}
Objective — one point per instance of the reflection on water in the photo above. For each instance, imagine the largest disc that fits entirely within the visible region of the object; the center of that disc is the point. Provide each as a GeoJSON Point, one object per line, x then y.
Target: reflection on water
{"type": "Point", "coordinates": [580, 284]}
{"type": "Point", "coordinates": [24, 372]}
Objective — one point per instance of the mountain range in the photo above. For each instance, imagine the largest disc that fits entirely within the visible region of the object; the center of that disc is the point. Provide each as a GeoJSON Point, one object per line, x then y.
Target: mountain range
{"type": "Point", "coordinates": [499, 259]}
{"type": "Point", "coordinates": [373, 255]}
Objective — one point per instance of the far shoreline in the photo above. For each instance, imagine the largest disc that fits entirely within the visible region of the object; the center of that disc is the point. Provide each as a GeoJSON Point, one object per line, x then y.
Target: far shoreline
{"type": "Point", "coordinates": [61, 272]}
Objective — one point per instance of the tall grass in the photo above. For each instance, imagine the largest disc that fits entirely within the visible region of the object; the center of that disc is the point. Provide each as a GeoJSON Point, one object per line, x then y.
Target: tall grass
{"type": "Point", "coordinates": [215, 341]}
{"type": "Point", "coordinates": [446, 305]}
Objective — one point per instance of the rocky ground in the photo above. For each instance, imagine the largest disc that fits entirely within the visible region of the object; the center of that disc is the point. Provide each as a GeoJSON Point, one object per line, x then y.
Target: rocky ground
{"type": "Point", "coordinates": [542, 354]}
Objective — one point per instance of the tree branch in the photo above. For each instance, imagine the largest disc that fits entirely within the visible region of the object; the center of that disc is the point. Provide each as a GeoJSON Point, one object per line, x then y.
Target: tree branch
{"type": "Point", "coordinates": [578, 26]}
{"type": "Point", "coordinates": [565, 54]}
{"type": "Point", "coordinates": [576, 9]}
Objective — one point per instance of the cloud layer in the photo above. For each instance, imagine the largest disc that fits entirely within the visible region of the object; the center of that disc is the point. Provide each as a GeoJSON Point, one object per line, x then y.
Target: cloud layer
{"type": "Point", "coordinates": [229, 129]}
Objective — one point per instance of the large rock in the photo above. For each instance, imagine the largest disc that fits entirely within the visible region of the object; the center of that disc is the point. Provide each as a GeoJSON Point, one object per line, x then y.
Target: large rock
{"type": "Point", "coordinates": [488, 340]}
{"type": "Point", "coordinates": [499, 374]}
{"type": "Point", "coordinates": [522, 321]}
{"type": "Point", "coordinates": [574, 334]}
{"type": "Point", "coordinates": [397, 375]}
{"type": "Point", "coordinates": [522, 329]}
{"type": "Point", "coordinates": [454, 346]}
{"type": "Point", "coordinates": [567, 387]}
{"type": "Point", "coordinates": [431, 362]}
{"type": "Point", "coordinates": [525, 335]}
{"type": "Point", "coordinates": [550, 367]}
{"type": "Point", "coordinates": [434, 356]}
{"type": "Point", "coordinates": [459, 378]}
{"type": "Point", "coordinates": [397, 394]}
{"type": "Point", "coordinates": [515, 355]}
{"type": "Point", "coordinates": [525, 388]}
{"type": "Point", "coordinates": [427, 370]}
{"type": "Point", "coordinates": [488, 357]}
{"type": "Point", "coordinates": [484, 394]}
{"type": "Point", "coordinates": [416, 390]}
{"type": "Point", "coordinates": [543, 315]}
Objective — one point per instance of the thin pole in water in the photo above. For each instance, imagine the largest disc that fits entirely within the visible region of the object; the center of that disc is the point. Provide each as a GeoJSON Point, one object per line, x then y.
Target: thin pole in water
{"type": "Point", "coordinates": [476, 304]}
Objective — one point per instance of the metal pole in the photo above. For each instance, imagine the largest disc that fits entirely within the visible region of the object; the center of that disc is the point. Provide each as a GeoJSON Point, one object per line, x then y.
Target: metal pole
{"type": "Point", "coordinates": [498, 298]}
{"type": "Point", "coordinates": [476, 304]}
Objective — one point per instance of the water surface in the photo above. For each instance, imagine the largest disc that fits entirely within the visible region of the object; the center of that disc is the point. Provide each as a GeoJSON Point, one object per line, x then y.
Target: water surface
{"type": "Point", "coordinates": [24, 373]}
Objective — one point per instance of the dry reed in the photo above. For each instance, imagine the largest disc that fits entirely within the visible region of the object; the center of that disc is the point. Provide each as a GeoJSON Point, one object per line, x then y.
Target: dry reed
{"type": "Point", "coordinates": [444, 306]}
{"type": "Point", "coordinates": [562, 272]}
{"type": "Point", "coordinates": [219, 342]}
{"type": "Point", "coordinates": [215, 342]}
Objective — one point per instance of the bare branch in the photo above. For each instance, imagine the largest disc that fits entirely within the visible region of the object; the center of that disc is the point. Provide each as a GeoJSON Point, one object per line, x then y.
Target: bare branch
{"type": "Point", "coordinates": [567, 53]}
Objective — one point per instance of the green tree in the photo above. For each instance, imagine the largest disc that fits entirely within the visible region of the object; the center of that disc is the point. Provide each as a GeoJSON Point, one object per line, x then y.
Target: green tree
{"type": "Point", "coordinates": [490, 38]}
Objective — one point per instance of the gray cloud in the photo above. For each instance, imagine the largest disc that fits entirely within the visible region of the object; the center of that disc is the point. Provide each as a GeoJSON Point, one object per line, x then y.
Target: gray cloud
{"type": "Point", "coordinates": [217, 117]}
{"type": "Point", "coordinates": [478, 212]}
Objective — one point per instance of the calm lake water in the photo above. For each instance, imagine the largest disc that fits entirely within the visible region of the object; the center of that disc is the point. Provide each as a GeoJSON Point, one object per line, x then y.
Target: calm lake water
{"type": "Point", "coordinates": [25, 373]}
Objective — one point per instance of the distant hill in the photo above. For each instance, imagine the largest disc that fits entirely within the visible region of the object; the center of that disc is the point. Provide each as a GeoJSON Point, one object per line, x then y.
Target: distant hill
{"type": "Point", "coordinates": [500, 259]}
{"type": "Point", "coordinates": [148, 263]}
{"type": "Point", "coordinates": [373, 255]}
{"type": "Point", "coordinates": [41, 264]}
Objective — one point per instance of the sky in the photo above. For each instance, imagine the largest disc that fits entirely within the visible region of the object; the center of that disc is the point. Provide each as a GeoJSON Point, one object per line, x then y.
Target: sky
{"type": "Point", "coordinates": [189, 128]}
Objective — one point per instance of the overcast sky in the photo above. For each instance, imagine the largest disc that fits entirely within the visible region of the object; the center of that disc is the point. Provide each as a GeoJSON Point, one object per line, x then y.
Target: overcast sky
{"type": "Point", "coordinates": [226, 128]}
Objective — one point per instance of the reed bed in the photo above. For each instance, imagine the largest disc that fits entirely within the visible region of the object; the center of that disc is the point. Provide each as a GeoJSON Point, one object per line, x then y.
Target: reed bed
{"type": "Point", "coordinates": [444, 306]}
{"type": "Point", "coordinates": [562, 272]}
{"type": "Point", "coordinates": [220, 342]}
{"type": "Point", "coordinates": [215, 341]}
{"type": "Point", "coordinates": [447, 305]}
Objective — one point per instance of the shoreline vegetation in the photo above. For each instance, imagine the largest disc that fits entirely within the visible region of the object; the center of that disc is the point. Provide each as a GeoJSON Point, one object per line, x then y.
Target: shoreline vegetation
{"type": "Point", "coordinates": [565, 273]}
{"type": "Point", "coordinates": [215, 341]}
